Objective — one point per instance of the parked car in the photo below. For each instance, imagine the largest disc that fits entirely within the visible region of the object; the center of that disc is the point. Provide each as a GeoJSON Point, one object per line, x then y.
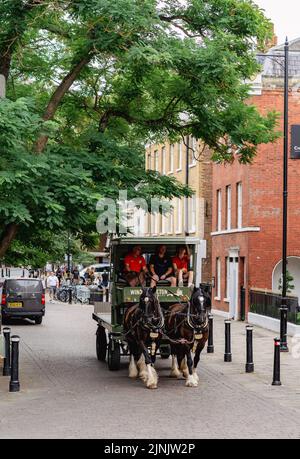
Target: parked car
{"type": "Point", "coordinates": [23, 298]}
{"type": "Point", "coordinates": [99, 269]}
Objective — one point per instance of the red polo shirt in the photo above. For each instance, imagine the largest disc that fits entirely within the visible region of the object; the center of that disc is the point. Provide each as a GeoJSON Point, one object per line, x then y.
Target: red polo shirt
{"type": "Point", "coordinates": [136, 264]}
{"type": "Point", "coordinates": [181, 263]}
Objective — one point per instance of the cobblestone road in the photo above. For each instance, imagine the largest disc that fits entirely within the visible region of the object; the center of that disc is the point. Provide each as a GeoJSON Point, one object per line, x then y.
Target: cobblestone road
{"type": "Point", "coordinates": [67, 393]}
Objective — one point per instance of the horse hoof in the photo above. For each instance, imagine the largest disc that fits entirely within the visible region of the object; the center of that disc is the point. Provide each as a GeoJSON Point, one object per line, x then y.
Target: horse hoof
{"type": "Point", "coordinates": [196, 377]}
{"type": "Point", "coordinates": [152, 386]}
{"type": "Point", "coordinates": [191, 382]}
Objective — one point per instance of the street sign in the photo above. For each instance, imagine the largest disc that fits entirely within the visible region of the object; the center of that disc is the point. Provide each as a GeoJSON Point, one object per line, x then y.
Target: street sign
{"type": "Point", "coordinates": [295, 147]}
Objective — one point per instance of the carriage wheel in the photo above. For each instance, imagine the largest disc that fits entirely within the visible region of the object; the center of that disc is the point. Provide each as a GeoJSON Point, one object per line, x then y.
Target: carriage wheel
{"type": "Point", "coordinates": [114, 356]}
{"type": "Point", "coordinates": [165, 351]}
{"type": "Point", "coordinates": [101, 344]}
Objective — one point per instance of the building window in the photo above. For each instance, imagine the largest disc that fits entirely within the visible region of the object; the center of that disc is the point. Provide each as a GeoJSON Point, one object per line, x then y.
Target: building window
{"type": "Point", "coordinates": [171, 159]}
{"type": "Point", "coordinates": [218, 278]}
{"type": "Point", "coordinates": [219, 210]}
{"type": "Point", "coordinates": [179, 157]}
{"type": "Point", "coordinates": [228, 207]}
{"type": "Point", "coordinates": [155, 223]}
{"type": "Point", "coordinates": [161, 223]}
{"type": "Point", "coordinates": [148, 165]}
{"type": "Point", "coordinates": [192, 214]}
{"type": "Point", "coordinates": [178, 216]}
{"type": "Point", "coordinates": [239, 206]}
{"type": "Point", "coordinates": [156, 165]}
{"type": "Point", "coordinates": [163, 161]}
{"type": "Point", "coordinates": [192, 152]}
{"type": "Point", "coordinates": [171, 221]}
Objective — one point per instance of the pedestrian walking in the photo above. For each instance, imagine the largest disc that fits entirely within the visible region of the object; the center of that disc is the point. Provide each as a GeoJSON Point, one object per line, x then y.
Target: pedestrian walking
{"type": "Point", "coordinates": [52, 285]}
{"type": "Point", "coordinates": [59, 275]}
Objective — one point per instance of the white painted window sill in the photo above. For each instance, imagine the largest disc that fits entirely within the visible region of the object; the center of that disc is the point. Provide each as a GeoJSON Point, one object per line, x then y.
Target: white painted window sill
{"type": "Point", "coordinates": [217, 298]}
{"type": "Point", "coordinates": [236, 231]}
{"type": "Point", "coordinates": [226, 300]}
{"type": "Point", "coordinates": [192, 165]}
{"type": "Point", "coordinates": [179, 170]}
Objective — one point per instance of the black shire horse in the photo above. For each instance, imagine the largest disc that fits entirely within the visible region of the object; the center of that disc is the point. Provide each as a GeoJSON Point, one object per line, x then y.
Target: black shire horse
{"type": "Point", "coordinates": [187, 328]}
{"type": "Point", "coordinates": [143, 324]}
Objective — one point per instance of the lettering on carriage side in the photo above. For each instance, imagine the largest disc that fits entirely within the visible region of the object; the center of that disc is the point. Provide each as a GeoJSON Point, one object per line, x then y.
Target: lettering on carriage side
{"type": "Point", "coordinates": [135, 292]}
{"type": "Point", "coordinates": [129, 450]}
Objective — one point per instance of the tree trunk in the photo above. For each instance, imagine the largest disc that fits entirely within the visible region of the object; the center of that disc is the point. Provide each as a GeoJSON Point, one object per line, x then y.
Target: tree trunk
{"type": "Point", "coordinates": [57, 97]}
{"type": "Point", "coordinates": [7, 237]}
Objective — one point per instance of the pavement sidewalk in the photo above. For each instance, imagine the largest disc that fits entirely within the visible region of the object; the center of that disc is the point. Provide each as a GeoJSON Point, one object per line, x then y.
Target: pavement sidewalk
{"type": "Point", "coordinates": [263, 347]}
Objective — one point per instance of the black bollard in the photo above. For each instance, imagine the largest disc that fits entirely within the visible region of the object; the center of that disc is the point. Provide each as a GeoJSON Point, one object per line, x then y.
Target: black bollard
{"type": "Point", "coordinates": [210, 345]}
{"type": "Point", "coordinates": [276, 369]}
{"type": "Point", "coordinates": [249, 348]}
{"type": "Point", "coordinates": [14, 385]}
{"type": "Point", "coordinates": [70, 296]}
{"type": "Point", "coordinates": [283, 329]}
{"type": "Point", "coordinates": [227, 355]}
{"type": "Point", "coordinates": [6, 366]}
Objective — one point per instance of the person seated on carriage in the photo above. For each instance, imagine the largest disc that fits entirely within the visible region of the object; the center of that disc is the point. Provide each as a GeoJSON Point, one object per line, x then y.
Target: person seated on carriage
{"type": "Point", "coordinates": [135, 267]}
{"type": "Point", "coordinates": [181, 267]}
{"type": "Point", "coordinates": [160, 267]}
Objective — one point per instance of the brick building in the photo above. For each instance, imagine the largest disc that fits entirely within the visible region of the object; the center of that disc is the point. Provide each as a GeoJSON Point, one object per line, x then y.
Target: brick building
{"type": "Point", "coordinates": [247, 202]}
{"type": "Point", "coordinates": [191, 217]}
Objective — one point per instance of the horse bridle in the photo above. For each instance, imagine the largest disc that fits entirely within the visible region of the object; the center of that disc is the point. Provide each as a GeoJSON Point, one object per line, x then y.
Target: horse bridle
{"type": "Point", "coordinates": [148, 325]}
{"type": "Point", "coordinates": [199, 328]}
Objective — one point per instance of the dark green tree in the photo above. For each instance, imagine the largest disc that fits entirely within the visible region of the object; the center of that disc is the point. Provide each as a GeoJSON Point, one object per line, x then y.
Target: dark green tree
{"type": "Point", "coordinates": [289, 283]}
{"type": "Point", "coordinates": [90, 81]}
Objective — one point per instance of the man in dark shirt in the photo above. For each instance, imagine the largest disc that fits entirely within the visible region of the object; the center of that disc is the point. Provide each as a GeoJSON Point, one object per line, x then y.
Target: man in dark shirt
{"type": "Point", "coordinates": [161, 267]}
{"type": "Point", "coordinates": [76, 275]}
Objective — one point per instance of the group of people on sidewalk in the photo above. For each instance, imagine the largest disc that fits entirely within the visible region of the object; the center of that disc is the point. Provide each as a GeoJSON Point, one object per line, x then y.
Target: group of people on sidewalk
{"type": "Point", "coordinates": [162, 267]}
{"type": "Point", "coordinates": [54, 280]}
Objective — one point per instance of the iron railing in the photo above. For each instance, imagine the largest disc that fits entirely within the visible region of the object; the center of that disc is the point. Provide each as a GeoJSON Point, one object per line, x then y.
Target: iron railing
{"type": "Point", "coordinates": [269, 304]}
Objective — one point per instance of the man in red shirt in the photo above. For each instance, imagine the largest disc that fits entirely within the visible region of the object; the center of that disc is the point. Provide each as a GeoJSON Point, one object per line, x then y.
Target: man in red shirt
{"type": "Point", "coordinates": [135, 267]}
{"type": "Point", "coordinates": [181, 267]}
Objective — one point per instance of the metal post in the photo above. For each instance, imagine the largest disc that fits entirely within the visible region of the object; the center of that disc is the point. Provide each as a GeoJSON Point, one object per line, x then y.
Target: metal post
{"type": "Point", "coordinates": [283, 329]}
{"type": "Point", "coordinates": [2, 86]}
{"type": "Point", "coordinates": [14, 385]}
{"type": "Point", "coordinates": [249, 348]}
{"type": "Point", "coordinates": [70, 295]}
{"type": "Point", "coordinates": [210, 345]}
{"type": "Point", "coordinates": [242, 299]}
{"type": "Point", "coordinates": [284, 310]}
{"type": "Point", "coordinates": [227, 355]}
{"type": "Point", "coordinates": [276, 369]}
{"type": "Point", "coordinates": [6, 366]}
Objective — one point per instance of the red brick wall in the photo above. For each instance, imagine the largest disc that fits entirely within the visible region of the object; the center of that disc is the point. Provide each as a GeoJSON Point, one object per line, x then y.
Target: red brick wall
{"type": "Point", "coordinates": [262, 204]}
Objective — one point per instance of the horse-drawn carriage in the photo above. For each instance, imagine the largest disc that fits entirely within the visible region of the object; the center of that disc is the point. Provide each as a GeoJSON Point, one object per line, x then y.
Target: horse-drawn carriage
{"type": "Point", "coordinates": [112, 336]}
